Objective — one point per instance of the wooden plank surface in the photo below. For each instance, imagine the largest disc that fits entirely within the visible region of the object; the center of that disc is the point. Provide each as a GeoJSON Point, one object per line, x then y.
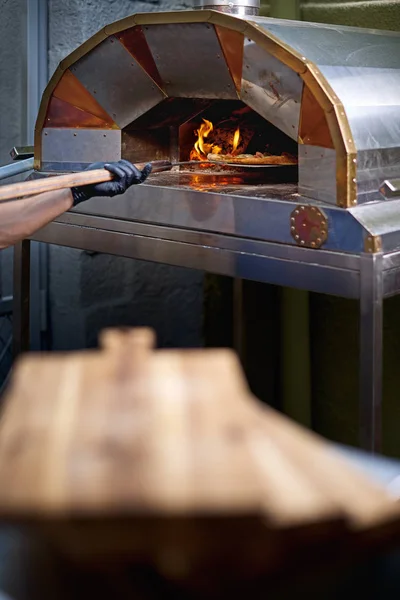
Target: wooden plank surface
{"type": "Point", "coordinates": [133, 431]}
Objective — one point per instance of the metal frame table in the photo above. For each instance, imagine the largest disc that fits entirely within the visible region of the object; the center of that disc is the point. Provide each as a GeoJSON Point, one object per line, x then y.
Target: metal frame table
{"type": "Point", "coordinates": [367, 277]}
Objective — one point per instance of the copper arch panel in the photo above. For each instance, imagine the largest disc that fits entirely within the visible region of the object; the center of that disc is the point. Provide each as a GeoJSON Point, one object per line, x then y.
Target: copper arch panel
{"type": "Point", "coordinates": [63, 114]}
{"type": "Point", "coordinates": [314, 128]}
{"type": "Point", "coordinates": [135, 42]}
{"type": "Point", "coordinates": [232, 47]}
{"type": "Point", "coordinates": [70, 89]}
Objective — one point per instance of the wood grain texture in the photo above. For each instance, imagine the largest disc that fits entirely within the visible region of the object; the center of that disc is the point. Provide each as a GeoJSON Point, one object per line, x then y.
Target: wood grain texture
{"type": "Point", "coordinates": [161, 439]}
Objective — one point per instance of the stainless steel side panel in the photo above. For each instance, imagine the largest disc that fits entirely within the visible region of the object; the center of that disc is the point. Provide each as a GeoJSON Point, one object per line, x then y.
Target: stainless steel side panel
{"type": "Point", "coordinates": [190, 61]}
{"type": "Point", "coordinates": [320, 271]}
{"type": "Point", "coordinates": [373, 167]}
{"type": "Point", "coordinates": [371, 98]}
{"type": "Point", "coordinates": [383, 219]}
{"type": "Point", "coordinates": [317, 173]}
{"type": "Point", "coordinates": [253, 217]}
{"type": "Point", "coordinates": [111, 74]}
{"type": "Point", "coordinates": [272, 89]}
{"type": "Point", "coordinates": [80, 145]}
{"type": "Point", "coordinates": [337, 45]}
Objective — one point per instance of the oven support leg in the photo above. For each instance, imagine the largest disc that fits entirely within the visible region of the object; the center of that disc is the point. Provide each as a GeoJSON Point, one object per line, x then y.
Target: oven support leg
{"type": "Point", "coordinates": [371, 351]}
{"type": "Point", "coordinates": [21, 297]}
{"type": "Point", "coordinates": [239, 342]}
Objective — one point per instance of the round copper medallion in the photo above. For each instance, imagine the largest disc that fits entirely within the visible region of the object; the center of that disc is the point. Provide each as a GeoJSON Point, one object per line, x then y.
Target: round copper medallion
{"type": "Point", "coordinates": [308, 226]}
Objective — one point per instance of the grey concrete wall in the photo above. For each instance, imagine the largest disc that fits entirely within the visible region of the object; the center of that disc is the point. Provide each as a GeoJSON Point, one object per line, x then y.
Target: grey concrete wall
{"type": "Point", "coordinates": [12, 90]}
{"type": "Point", "coordinates": [12, 74]}
{"type": "Point", "coordinates": [89, 292]}
{"type": "Point", "coordinates": [12, 109]}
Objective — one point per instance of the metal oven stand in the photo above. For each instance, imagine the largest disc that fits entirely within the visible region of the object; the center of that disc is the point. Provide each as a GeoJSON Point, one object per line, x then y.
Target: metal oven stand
{"type": "Point", "coordinates": [367, 277]}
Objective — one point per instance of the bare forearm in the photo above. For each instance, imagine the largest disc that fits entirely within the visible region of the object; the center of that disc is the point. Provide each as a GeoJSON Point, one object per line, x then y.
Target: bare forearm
{"type": "Point", "coordinates": [21, 218]}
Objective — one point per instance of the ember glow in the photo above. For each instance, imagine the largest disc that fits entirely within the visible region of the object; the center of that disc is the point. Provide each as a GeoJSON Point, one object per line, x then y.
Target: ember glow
{"type": "Point", "coordinates": [202, 147]}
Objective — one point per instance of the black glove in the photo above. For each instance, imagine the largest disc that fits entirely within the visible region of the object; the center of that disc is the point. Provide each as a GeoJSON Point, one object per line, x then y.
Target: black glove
{"type": "Point", "coordinates": [125, 175]}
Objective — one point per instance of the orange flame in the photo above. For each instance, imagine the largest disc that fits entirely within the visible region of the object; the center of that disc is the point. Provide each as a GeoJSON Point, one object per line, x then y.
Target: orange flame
{"type": "Point", "coordinates": [236, 140]}
{"type": "Point", "coordinates": [201, 148]}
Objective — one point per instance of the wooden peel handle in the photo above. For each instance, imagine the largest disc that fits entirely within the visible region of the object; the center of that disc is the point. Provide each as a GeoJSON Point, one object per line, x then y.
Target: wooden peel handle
{"type": "Point", "coordinates": [60, 182]}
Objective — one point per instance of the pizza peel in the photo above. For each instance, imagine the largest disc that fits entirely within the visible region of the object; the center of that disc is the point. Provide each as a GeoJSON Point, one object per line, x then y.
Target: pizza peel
{"type": "Point", "coordinates": [65, 181]}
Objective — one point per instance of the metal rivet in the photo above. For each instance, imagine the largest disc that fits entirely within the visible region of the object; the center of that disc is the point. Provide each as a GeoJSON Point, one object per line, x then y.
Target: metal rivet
{"type": "Point", "coordinates": [313, 208]}
{"type": "Point", "coordinates": [313, 244]}
{"type": "Point", "coordinates": [218, 56]}
{"type": "Point", "coordinates": [297, 237]}
{"type": "Point", "coordinates": [302, 242]}
{"type": "Point", "coordinates": [45, 133]}
{"type": "Point", "coordinates": [323, 232]}
{"type": "Point", "coordinates": [304, 225]}
{"type": "Point", "coordinates": [292, 228]}
{"type": "Point", "coordinates": [350, 140]}
{"type": "Point", "coordinates": [74, 134]}
{"type": "Point", "coordinates": [296, 212]}
{"type": "Point", "coordinates": [104, 135]}
{"type": "Point", "coordinates": [319, 240]}
{"type": "Point", "coordinates": [292, 219]}
{"type": "Point", "coordinates": [354, 201]}
{"type": "Point", "coordinates": [323, 223]}
{"type": "Point", "coordinates": [354, 180]}
{"type": "Point", "coordinates": [354, 160]}
{"type": "Point", "coordinates": [302, 207]}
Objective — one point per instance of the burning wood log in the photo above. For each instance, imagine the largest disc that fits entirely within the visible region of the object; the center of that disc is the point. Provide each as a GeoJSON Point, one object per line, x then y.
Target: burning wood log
{"type": "Point", "coordinates": [226, 138]}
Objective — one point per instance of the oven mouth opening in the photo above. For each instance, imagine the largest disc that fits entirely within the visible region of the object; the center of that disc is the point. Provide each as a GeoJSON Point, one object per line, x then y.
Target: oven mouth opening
{"type": "Point", "coordinates": [222, 142]}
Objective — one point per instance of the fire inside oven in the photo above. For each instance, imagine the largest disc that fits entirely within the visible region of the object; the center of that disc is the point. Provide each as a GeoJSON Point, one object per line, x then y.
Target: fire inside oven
{"type": "Point", "coordinates": [225, 142]}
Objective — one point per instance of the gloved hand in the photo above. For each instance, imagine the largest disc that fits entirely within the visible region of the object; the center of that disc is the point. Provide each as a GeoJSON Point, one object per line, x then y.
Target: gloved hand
{"type": "Point", "coordinates": [125, 175]}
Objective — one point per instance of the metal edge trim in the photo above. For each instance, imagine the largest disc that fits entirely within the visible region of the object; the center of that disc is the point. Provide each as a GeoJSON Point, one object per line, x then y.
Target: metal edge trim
{"type": "Point", "coordinates": [346, 162]}
{"type": "Point", "coordinates": [158, 18]}
{"type": "Point", "coordinates": [372, 243]}
{"type": "Point", "coordinates": [84, 48]}
{"type": "Point", "coordinates": [47, 94]}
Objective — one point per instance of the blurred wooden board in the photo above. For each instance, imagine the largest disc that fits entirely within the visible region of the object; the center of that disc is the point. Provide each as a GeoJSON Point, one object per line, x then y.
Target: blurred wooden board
{"type": "Point", "coordinates": [165, 439]}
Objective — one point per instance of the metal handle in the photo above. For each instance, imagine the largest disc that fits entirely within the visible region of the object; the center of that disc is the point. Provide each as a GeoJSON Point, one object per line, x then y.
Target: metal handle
{"type": "Point", "coordinates": [390, 188]}
{"type": "Point", "coordinates": [22, 152]}
{"type": "Point", "coordinates": [16, 168]}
